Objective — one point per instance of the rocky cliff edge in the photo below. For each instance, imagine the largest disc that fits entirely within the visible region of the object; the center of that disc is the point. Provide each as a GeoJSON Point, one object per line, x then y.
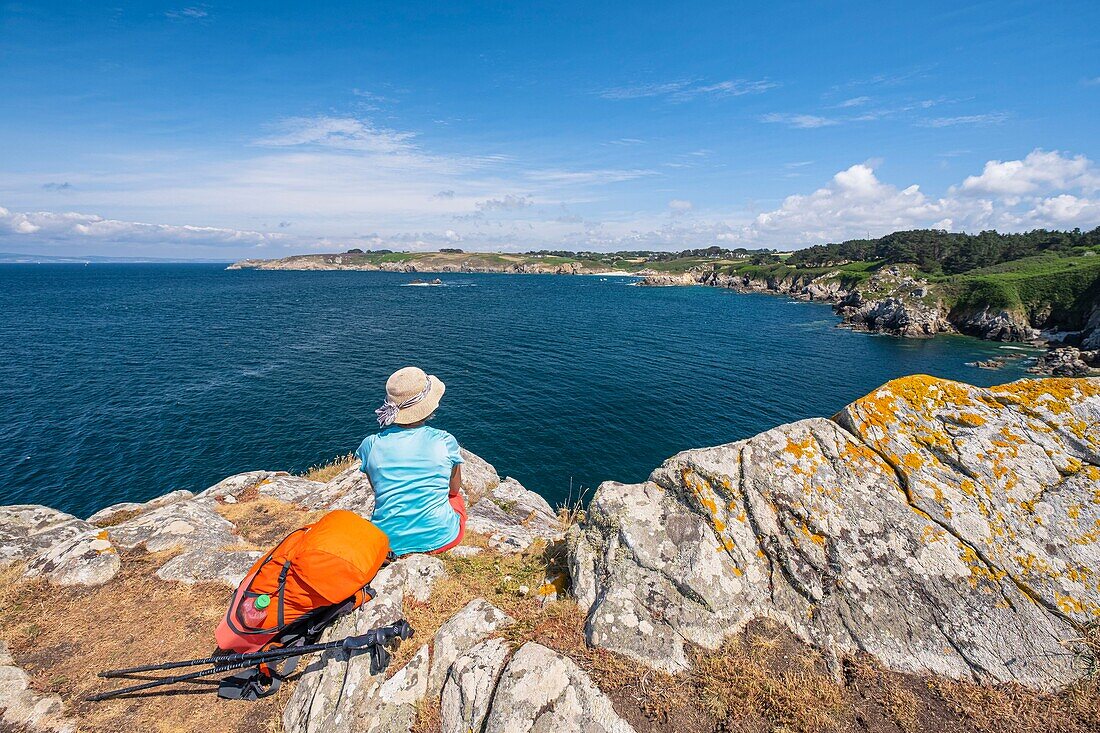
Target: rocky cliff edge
{"type": "Point", "coordinates": [942, 531]}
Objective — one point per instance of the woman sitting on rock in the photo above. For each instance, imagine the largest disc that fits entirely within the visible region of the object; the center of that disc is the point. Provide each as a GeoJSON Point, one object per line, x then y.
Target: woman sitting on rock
{"type": "Point", "coordinates": [415, 470]}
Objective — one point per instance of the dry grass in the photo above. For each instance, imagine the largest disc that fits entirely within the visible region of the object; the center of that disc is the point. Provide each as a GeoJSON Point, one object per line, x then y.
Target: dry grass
{"type": "Point", "coordinates": [325, 472]}
{"type": "Point", "coordinates": [765, 674]}
{"type": "Point", "coordinates": [63, 636]}
{"type": "Point", "coordinates": [263, 521]}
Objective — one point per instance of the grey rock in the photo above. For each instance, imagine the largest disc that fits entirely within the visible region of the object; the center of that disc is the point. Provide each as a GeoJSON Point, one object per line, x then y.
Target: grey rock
{"type": "Point", "coordinates": [229, 567]}
{"type": "Point", "coordinates": [419, 574]}
{"type": "Point", "coordinates": [127, 510]}
{"type": "Point", "coordinates": [513, 517]}
{"type": "Point", "coordinates": [540, 690]}
{"type": "Point", "coordinates": [353, 491]}
{"type": "Point", "coordinates": [468, 690]}
{"type": "Point", "coordinates": [474, 623]}
{"type": "Point", "coordinates": [56, 545]}
{"type": "Point", "coordinates": [479, 477]}
{"type": "Point", "coordinates": [237, 484]}
{"type": "Point", "coordinates": [996, 324]}
{"type": "Point", "coordinates": [23, 709]}
{"type": "Point", "coordinates": [189, 525]}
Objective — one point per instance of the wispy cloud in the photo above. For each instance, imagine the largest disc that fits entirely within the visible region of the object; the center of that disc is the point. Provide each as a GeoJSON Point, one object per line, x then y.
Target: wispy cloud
{"type": "Point", "coordinates": [992, 118]}
{"type": "Point", "coordinates": [346, 133]}
{"type": "Point", "coordinates": [54, 186]}
{"type": "Point", "coordinates": [853, 102]}
{"type": "Point", "coordinates": [1043, 189]}
{"type": "Point", "coordinates": [799, 121]}
{"type": "Point", "coordinates": [685, 90]}
{"type": "Point", "coordinates": [1093, 82]}
{"type": "Point", "coordinates": [193, 12]}
{"type": "Point", "coordinates": [597, 176]}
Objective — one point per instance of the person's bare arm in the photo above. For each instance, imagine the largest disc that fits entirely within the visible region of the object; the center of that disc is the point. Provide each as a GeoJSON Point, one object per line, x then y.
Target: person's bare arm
{"type": "Point", "coordinates": [456, 479]}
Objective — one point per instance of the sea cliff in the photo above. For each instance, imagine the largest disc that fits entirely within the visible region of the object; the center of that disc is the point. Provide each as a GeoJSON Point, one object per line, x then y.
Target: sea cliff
{"type": "Point", "coordinates": [895, 300]}
{"type": "Point", "coordinates": [928, 553]}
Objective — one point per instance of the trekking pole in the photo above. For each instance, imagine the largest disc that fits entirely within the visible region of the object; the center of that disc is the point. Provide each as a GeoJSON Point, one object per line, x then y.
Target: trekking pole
{"type": "Point", "coordinates": [166, 681]}
{"type": "Point", "coordinates": [400, 629]}
{"type": "Point", "coordinates": [229, 662]}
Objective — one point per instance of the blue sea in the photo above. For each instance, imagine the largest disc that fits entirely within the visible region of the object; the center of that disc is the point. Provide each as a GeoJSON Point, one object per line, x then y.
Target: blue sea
{"type": "Point", "coordinates": [123, 382]}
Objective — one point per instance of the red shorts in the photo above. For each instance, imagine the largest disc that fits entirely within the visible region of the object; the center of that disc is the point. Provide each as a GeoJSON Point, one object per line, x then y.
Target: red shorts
{"type": "Point", "coordinates": [459, 505]}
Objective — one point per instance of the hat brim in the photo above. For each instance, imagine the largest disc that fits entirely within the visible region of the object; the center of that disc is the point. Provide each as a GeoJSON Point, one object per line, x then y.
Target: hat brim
{"type": "Point", "coordinates": [424, 407]}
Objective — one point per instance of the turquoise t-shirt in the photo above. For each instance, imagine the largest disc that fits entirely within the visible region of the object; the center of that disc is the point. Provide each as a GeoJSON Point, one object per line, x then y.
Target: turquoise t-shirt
{"type": "Point", "coordinates": [410, 469]}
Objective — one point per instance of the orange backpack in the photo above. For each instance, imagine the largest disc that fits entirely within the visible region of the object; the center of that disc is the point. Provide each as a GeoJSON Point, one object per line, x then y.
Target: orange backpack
{"type": "Point", "coordinates": [326, 565]}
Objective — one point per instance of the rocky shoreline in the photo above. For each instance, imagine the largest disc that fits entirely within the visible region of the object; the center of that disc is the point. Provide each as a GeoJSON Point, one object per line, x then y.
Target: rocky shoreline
{"type": "Point", "coordinates": [934, 527]}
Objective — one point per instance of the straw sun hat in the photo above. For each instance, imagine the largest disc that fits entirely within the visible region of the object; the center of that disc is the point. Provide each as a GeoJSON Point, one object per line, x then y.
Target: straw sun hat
{"type": "Point", "coordinates": [411, 395]}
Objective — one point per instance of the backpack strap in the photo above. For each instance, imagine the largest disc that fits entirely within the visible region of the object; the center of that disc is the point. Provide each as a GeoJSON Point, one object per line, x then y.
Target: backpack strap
{"type": "Point", "coordinates": [282, 592]}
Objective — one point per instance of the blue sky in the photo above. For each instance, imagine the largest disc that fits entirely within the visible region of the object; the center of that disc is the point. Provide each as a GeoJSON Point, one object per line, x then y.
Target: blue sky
{"type": "Point", "coordinates": [263, 129]}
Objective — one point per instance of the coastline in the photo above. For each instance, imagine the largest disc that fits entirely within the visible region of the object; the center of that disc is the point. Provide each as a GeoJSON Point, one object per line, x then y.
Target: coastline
{"type": "Point", "coordinates": [895, 300]}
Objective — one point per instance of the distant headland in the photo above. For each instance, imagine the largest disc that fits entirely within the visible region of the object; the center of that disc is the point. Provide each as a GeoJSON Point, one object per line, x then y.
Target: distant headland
{"type": "Point", "coordinates": [1039, 285]}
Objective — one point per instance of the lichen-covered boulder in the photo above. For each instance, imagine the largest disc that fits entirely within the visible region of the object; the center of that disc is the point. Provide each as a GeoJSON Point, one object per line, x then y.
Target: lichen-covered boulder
{"type": "Point", "coordinates": [56, 545]}
{"type": "Point", "coordinates": [1011, 472]}
{"type": "Point", "coordinates": [540, 690]}
{"type": "Point", "coordinates": [353, 491]}
{"type": "Point", "coordinates": [886, 537]}
{"type": "Point", "coordinates": [228, 567]}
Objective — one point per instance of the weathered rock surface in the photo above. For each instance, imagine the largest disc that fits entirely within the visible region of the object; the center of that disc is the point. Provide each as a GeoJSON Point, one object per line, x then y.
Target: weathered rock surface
{"type": "Point", "coordinates": [56, 545]}
{"type": "Point", "coordinates": [540, 690]}
{"type": "Point", "coordinates": [21, 709]}
{"type": "Point", "coordinates": [469, 687]}
{"type": "Point", "coordinates": [228, 567]}
{"type": "Point", "coordinates": [478, 477]}
{"type": "Point", "coordinates": [937, 526]}
{"type": "Point", "coordinates": [189, 525]}
{"type": "Point", "coordinates": [1067, 361]}
{"type": "Point", "coordinates": [459, 634]}
{"type": "Point", "coordinates": [119, 512]}
{"type": "Point", "coordinates": [995, 324]}
{"type": "Point", "coordinates": [513, 517]}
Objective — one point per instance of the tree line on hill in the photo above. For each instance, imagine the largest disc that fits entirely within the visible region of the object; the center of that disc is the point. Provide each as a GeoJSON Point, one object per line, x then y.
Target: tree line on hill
{"type": "Point", "coordinates": [939, 252]}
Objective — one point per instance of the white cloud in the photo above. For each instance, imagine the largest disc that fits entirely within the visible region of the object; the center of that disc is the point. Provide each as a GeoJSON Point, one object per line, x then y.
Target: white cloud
{"type": "Point", "coordinates": [1040, 170]}
{"type": "Point", "coordinates": [685, 90]}
{"type": "Point", "coordinates": [803, 122]}
{"type": "Point", "coordinates": [71, 226]}
{"type": "Point", "coordinates": [510, 202]}
{"type": "Point", "coordinates": [679, 207]}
